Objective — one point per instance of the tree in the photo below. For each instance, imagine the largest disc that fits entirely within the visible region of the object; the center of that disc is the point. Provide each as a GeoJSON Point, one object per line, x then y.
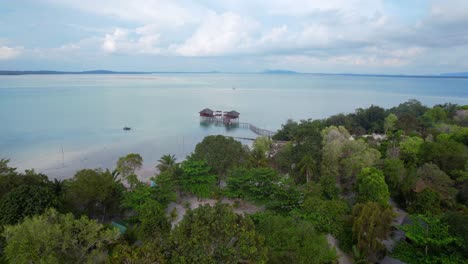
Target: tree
{"type": "Point", "coordinates": [153, 224]}
{"type": "Point", "coordinates": [371, 119]}
{"type": "Point", "coordinates": [291, 240]}
{"type": "Point", "coordinates": [435, 115]}
{"type": "Point", "coordinates": [10, 179]}
{"type": "Point", "coordinates": [129, 164]}
{"type": "Point", "coordinates": [263, 145]}
{"type": "Point", "coordinates": [334, 139]}
{"type": "Point", "coordinates": [148, 253]}
{"type": "Point", "coordinates": [198, 178]}
{"type": "Point", "coordinates": [371, 187]}
{"type": "Point", "coordinates": [58, 238]}
{"type": "Point", "coordinates": [394, 171]}
{"type": "Point", "coordinates": [428, 234]}
{"type": "Point", "coordinates": [447, 154]}
{"type": "Point", "coordinates": [25, 200]}
{"type": "Point", "coordinates": [94, 193]}
{"type": "Point", "coordinates": [164, 189]}
{"type": "Point", "coordinates": [410, 148]}
{"type": "Point", "coordinates": [264, 185]}
{"type": "Point", "coordinates": [220, 153]}
{"type": "Point", "coordinates": [356, 156]}
{"type": "Point", "coordinates": [327, 216]}
{"type": "Point", "coordinates": [216, 235]}
{"type": "Point", "coordinates": [458, 228]}
{"type": "Point", "coordinates": [167, 163]}
{"type": "Point", "coordinates": [430, 176]}
{"type": "Point", "coordinates": [426, 202]}
{"type": "Point", "coordinates": [371, 224]}
{"type": "Point", "coordinates": [307, 167]}
{"type": "Point", "coordinates": [390, 122]}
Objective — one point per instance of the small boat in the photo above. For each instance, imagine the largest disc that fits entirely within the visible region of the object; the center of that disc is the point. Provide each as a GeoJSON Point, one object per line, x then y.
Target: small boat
{"type": "Point", "coordinates": [127, 128]}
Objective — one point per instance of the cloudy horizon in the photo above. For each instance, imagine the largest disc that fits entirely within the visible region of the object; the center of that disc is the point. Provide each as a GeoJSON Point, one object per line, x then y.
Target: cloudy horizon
{"type": "Point", "coordinates": [334, 36]}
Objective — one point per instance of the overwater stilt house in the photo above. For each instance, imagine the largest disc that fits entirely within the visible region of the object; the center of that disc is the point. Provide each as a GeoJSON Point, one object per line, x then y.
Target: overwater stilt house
{"type": "Point", "coordinates": [206, 113]}
{"type": "Point", "coordinates": [227, 117]}
{"type": "Point", "coordinates": [231, 117]}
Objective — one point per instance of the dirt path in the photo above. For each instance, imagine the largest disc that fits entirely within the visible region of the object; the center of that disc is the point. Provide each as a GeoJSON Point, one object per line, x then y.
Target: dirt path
{"type": "Point", "coordinates": [343, 258]}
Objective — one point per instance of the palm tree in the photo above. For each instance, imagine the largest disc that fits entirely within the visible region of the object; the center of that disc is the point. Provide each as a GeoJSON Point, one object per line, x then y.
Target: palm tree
{"type": "Point", "coordinates": [307, 166]}
{"type": "Point", "coordinates": [167, 163]}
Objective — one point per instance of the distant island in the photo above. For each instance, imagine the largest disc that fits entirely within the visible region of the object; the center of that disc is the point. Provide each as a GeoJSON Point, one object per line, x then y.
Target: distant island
{"type": "Point", "coordinates": [268, 71]}
{"type": "Point", "coordinates": [455, 74]}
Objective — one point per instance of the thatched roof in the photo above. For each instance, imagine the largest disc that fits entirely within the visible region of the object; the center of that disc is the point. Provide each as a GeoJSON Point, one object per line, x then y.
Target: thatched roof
{"type": "Point", "coordinates": [206, 111]}
{"type": "Point", "coordinates": [233, 113]}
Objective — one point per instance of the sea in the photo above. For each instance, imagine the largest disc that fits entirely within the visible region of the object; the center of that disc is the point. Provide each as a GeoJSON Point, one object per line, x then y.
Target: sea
{"type": "Point", "coordinates": [58, 124]}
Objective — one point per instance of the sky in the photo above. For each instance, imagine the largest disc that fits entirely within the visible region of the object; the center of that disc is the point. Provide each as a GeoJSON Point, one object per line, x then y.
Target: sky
{"type": "Point", "coordinates": [331, 36]}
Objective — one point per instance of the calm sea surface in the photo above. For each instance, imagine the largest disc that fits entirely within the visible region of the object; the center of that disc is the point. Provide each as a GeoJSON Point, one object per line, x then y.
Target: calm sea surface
{"type": "Point", "coordinates": [83, 115]}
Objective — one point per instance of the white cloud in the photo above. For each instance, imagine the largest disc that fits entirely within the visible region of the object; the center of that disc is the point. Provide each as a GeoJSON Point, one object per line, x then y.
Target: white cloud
{"type": "Point", "coordinates": [306, 32]}
{"type": "Point", "coordinates": [223, 34]}
{"type": "Point", "coordinates": [120, 41]}
{"type": "Point", "coordinates": [165, 13]}
{"type": "Point", "coordinates": [7, 53]}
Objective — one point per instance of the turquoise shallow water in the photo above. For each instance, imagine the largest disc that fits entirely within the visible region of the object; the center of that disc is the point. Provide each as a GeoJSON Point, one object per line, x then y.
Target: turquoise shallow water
{"type": "Point", "coordinates": [84, 114]}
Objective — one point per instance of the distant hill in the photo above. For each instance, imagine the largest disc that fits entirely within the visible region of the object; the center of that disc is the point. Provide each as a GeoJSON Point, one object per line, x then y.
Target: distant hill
{"type": "Point", "coordinates": [68, 72]}
{"type": "Point", "coordinates": [279, 72]}
{"type": "Point", "coordinates": [88, 72]}
{"type": "Point", "coordinates": [455, 74]}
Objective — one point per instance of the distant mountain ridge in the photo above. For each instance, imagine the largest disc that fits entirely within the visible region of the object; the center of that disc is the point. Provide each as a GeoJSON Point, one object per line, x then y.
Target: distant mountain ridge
{"type": "Point", "coordinates": [279, 72]}
{"type": "Point", "coordinates": [268, 71]}
{"type": "Point", "coordinates": [455, 74]}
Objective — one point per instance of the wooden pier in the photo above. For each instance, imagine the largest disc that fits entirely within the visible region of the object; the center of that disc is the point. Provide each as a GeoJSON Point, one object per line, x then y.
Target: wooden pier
{"type": "Point", "coordinates": [231, 119]}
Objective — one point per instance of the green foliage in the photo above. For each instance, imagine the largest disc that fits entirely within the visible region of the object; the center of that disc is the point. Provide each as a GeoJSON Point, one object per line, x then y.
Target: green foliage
{"type": "Point", "coordinates": [327, 216]}
{"type": "Point", "coordinates": [328, 187]}
{"type": "Point", "coordinates": [264, 185]}
{"type": "Point", "coordinates": [135, 198]}
{"type": "Point", "coordinates": [394, 171]}
{"type": "Point", "coordinates": [167, 164]}
{"type": "Point", "coordinates": [148, 253]}
{"type": "Point", "coordinates": [461, 135]}
{"type": "Point", "coordinates": [436, 115]}
{"type": "Point", "coordinates": [390, 122]}
{"type": "Point", "coordinates": [198, 178]}
{"type": "Point", "coordinates": [458, 227]}
{"type": "Point", "coordinates": [306, 140]}
{"type": "Point", "coordinates": [448, 154]}
{"type": "Point", "coordinates": [94, 193]}
{"type": "Point", "coordinates": [408, 114]}
{"type": "Point", "coordinates": [371, 187]}
{"type": "Point", "coordinates": [263, 145]}
{"type": "Point", "coordinates": [10, 179]}
{"type": "Point", "coordinates": [284, 157]}
{"type": "Point", "coordinates": [430, 176]}
{"type": "Point", "coordinates": [430, 239]}
{"type": "Point", "coordinates": [307, 166]}
{"type": "Point", "coordinates": [286, 132]}
{"type": "Point", "coordinates": [153, 223]}
{"type": "Point", "coordinates": [220, 153]}
{"type": "Point", "coordinates": [371, 224]}
{"type": "Point", "coordinates": [410, 148]}
{"type": "Point", "coordinates": [293, 241]}
{"type": "Point", "coordinates": [165, 188]}
{"type": "Point", "coordinates": [371, 120]}
{"type": "Point", "coordinates": [58, 238]}
{"type": "Point", "coordinates": [25, 200]}
{"type": "Point", "coordinates": [427, 202]}
{"type": "Point", "coordinates": [216, 235]}
{"type": "Point", "coordinates": [344, 158]}
{"type": "Point", "coordinates": [129, 164]}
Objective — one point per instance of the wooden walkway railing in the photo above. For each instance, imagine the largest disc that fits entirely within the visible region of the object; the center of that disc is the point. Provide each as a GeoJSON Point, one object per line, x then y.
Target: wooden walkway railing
{"type": "Point", "coordinates": [253, 128]}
